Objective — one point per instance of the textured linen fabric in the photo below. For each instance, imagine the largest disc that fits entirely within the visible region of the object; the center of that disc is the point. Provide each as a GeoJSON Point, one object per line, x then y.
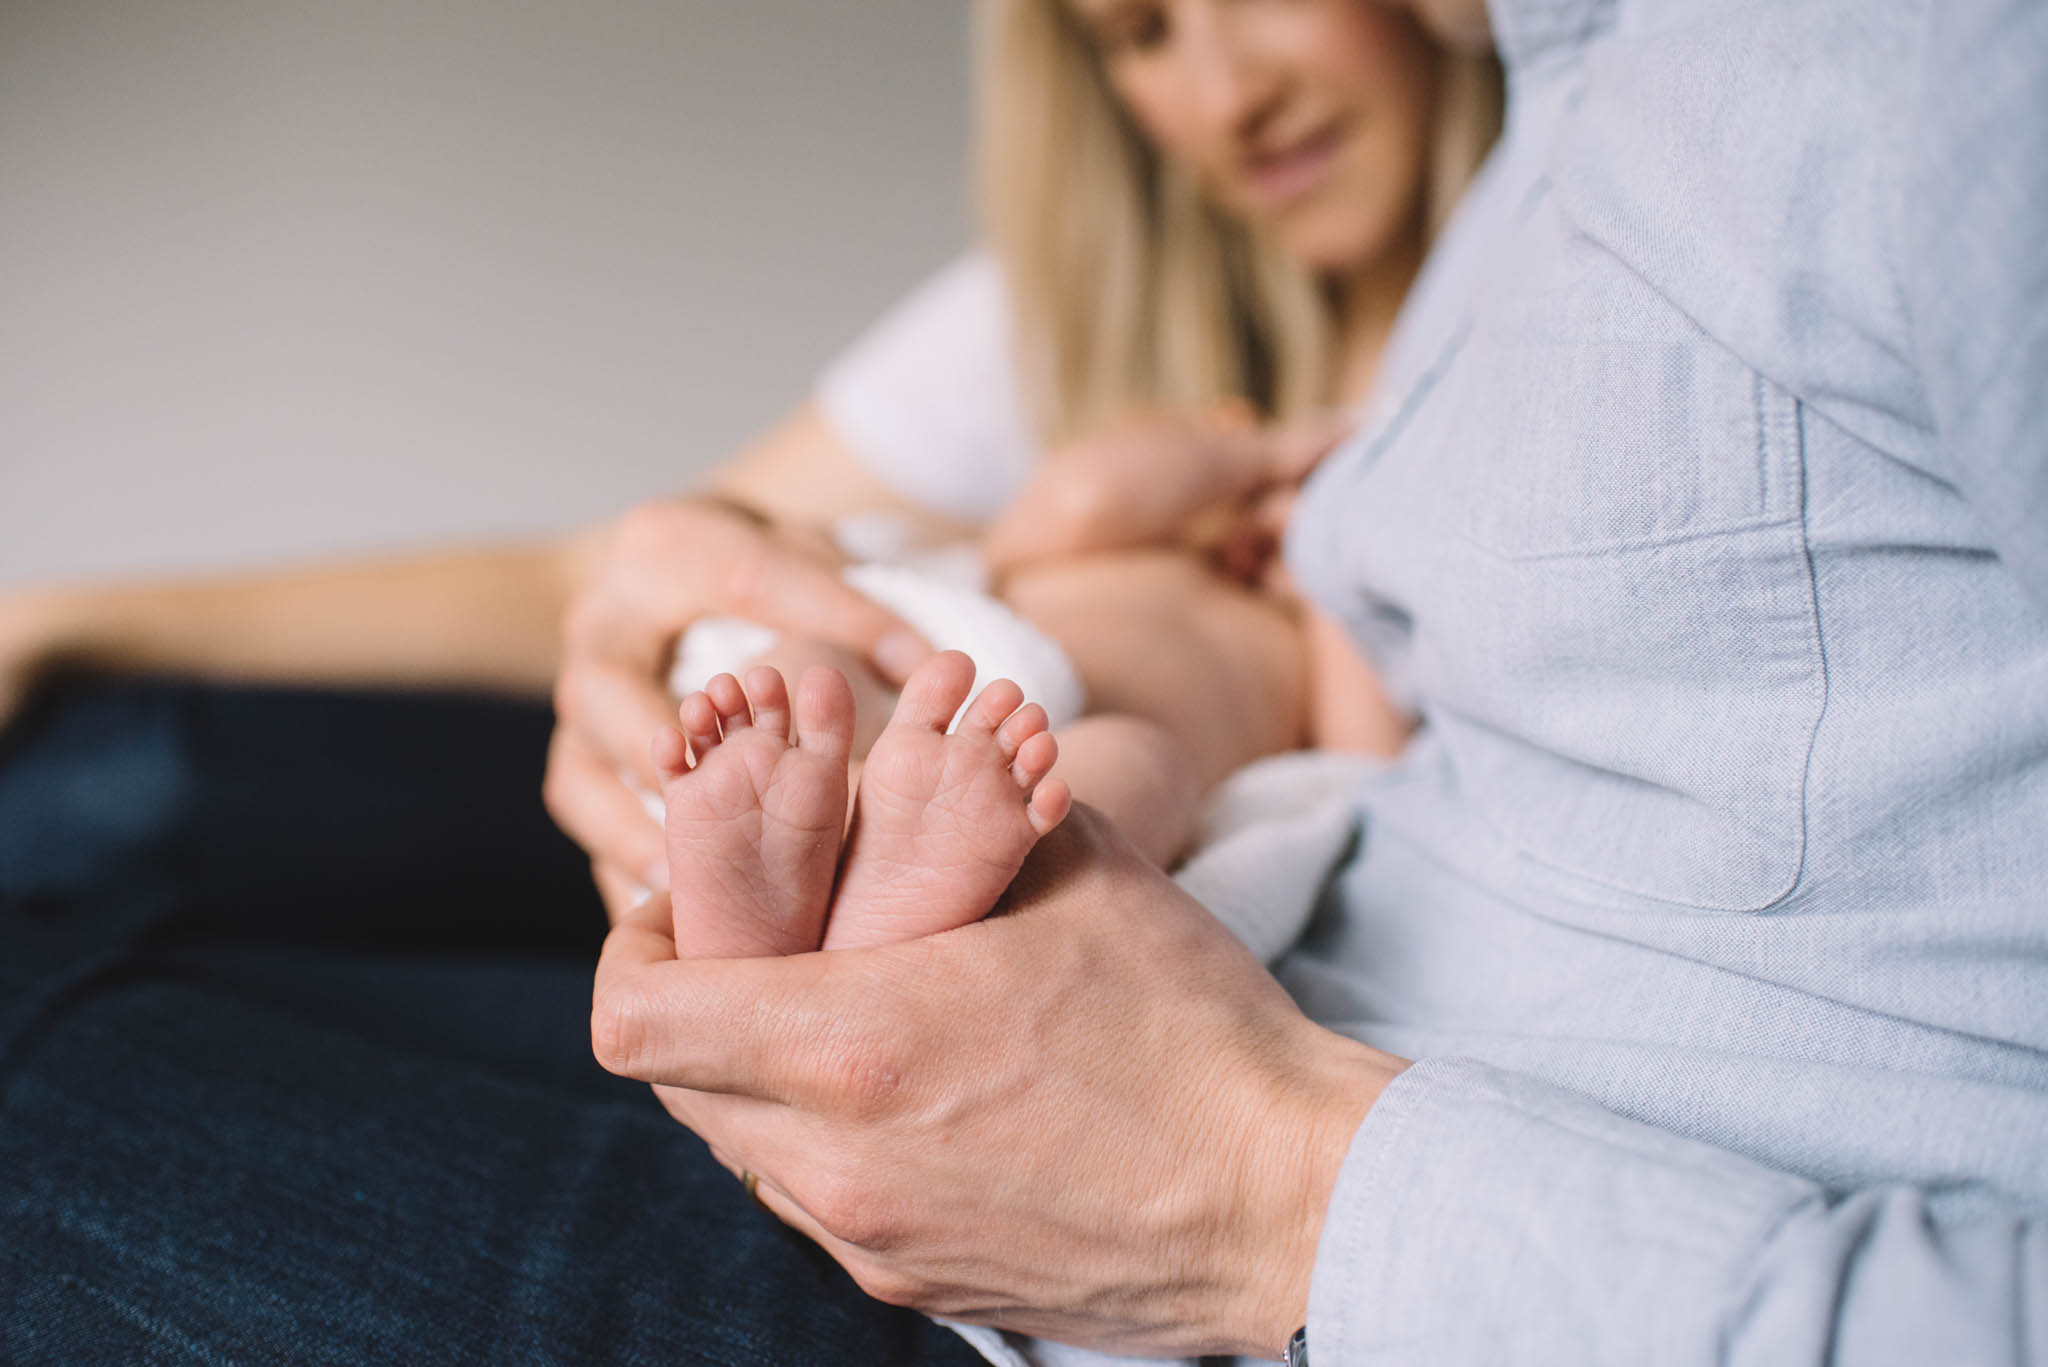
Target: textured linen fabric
{"type": "Point", "coordinates": [928, 398]}
{"type": "Point", "coordinates": [1706, 536]}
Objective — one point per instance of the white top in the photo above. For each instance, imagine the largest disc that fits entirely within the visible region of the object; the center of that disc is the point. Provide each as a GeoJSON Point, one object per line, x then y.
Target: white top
{"type": "Point", "coordinates": [928, 398]}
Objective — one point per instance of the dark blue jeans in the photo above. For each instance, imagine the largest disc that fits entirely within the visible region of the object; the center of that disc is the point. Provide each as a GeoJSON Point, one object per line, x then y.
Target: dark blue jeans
{"type": "Point", "coordinates": [294, 1062]}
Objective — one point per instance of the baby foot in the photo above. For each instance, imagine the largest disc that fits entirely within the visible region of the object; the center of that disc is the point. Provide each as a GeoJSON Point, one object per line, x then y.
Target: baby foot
{"type": "Point", "coordinates": [754, 826]}
{"type": "Point", "coordinates": [943, 822]}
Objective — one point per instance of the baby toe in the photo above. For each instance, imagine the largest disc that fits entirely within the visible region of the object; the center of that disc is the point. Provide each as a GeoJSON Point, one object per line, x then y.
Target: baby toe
{"type": "Point", "coordinates": [934, 692]}
{"type": "Point", "coordinates": [1027, 721]}
{"type": "Point", "coordinates": [1049, 805]}
{"type": "Point", "coordinates": [991, 706]}
{"type": "Point", "coordinates": [1034, 760]}
{"type": "Point", "coordinates": [824, 713]}
{"type": "Point", "coordinates": [700, 723]}
{"type": "Point", "coordinates": [769, 698]}
{"type": "Point", "coordinates": [670, 751]}
{"type": "Point", "coordinates": [731, 701]}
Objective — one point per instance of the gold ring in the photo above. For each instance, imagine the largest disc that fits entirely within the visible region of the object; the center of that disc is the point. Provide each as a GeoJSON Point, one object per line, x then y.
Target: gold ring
{"type": "Point", "coordinates": [752, 1184]}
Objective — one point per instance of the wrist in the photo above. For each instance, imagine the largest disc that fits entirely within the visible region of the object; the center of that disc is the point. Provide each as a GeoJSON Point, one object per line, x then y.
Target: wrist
{"type": "Point", "coordinates": [1296, 1157]}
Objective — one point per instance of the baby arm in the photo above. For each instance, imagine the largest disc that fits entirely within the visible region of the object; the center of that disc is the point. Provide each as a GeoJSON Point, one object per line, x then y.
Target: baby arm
{"type": "Point", "coordinates": [1152, 479]}
{"type": "Point", "coordinates": [1348, 707]}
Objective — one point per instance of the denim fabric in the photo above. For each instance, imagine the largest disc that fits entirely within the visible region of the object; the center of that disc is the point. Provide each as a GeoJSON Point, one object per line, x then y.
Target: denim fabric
{"type": "Point", "coordinates": [1704, 531]}
{"type": "Point", "coordinates": [296, 814]}
{"type": "Point", "coordinates": [294, 1063]}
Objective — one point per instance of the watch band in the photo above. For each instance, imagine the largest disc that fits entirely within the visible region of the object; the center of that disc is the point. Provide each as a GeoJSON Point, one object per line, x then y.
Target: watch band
{"type": "Point", "coordinates": [1297, 1348]}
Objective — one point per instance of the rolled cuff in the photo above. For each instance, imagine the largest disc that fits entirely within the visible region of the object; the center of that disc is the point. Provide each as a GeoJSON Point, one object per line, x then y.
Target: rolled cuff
{"type": "Point", "coordinates": [1486, 1218]}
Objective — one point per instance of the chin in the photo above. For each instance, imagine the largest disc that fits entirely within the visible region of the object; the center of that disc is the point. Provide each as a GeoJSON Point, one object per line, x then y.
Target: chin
{"type": "Point", "coordinates": [1334, 242]}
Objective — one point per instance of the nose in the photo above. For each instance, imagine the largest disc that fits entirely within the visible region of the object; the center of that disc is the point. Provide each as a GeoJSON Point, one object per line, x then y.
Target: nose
{"type": "Point", "coordinates": [1231, 83]}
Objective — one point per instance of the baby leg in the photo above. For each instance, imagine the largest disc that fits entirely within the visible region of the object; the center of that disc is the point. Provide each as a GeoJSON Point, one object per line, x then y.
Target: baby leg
{"type": "Point", "coordinates": [1135, 773]}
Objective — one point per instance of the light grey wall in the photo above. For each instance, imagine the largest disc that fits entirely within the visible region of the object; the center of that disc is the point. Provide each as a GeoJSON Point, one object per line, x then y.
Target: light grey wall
{"type": "Point", "coordinates": [281, 277]}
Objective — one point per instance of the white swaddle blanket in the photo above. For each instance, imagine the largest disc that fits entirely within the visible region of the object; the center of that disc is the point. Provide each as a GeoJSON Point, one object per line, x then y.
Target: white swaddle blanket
{"type": "Point", "coordinates": [941, 593]}
{"type": "Point", "coordinates": [949, 614]}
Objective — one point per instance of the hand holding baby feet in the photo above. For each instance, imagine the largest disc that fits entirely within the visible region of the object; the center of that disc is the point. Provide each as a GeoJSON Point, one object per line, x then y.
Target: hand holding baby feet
{"type": "Point", "coordinates": [943, 822]}
{"type": "Point", "coordinates": [754, 826]}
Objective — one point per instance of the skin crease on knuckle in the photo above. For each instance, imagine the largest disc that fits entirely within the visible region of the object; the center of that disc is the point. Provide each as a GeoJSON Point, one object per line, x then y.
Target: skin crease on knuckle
{"type": "Point", "coordinates": [854, 1208]}
{"type": "Point", "coordinates": [858, 1063]}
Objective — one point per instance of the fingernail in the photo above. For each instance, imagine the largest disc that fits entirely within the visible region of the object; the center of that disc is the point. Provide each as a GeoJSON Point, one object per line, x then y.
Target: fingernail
{"type": "Point", "coordinates": [655, 877]}
{"type": "Point", "coordinates": [899, 652]}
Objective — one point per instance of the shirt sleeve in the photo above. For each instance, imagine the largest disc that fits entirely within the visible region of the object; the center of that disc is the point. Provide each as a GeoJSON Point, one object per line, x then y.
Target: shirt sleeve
{"type": "Point", "coordinates": [928, 398]}
{"type": "Point", "coordinates": [1976, 216]}
{"type": "Point", "coordinates": [1483, 1217]}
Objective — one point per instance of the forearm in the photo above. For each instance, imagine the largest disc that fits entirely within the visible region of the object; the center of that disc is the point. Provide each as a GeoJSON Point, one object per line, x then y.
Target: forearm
{"type": "Point", "coordinates": [486, 617]}
{"type": "Point", "coordinates": [1155, 635]}
{"type": "Point", "coordinates": [800, 473]}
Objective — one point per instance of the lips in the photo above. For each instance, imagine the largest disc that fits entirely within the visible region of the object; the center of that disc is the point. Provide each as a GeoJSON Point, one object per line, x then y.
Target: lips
{"type": "Point", "coordinates": [1294, 168]}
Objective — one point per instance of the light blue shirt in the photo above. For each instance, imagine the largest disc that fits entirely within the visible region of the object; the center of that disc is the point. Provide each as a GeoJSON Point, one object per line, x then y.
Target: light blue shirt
{"type": "Point", "coordinates": [1708, 536]}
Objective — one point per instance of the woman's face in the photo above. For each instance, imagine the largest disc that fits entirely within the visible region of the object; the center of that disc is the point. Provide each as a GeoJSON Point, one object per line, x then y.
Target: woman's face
{"type": "Point", "coordinates": [1307, 117]}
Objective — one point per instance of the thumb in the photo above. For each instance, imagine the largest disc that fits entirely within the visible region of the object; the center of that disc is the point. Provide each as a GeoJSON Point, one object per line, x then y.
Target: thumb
{"type": "Point", "coordinates": [776, 1029]}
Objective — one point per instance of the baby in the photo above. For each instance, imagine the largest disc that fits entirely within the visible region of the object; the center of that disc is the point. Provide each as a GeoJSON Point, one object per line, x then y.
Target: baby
{"type": "Point", "coordinates": [1187, 675]}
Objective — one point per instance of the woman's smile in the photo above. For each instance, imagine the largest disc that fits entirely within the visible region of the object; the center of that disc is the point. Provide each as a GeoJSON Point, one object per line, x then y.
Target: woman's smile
{"type": "Point", "coordinates": [1276, 177]}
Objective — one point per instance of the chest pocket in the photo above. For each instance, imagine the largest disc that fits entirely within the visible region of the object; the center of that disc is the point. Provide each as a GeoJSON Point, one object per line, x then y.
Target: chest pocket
{"type": "Point", "coordinates": [1620, 649]}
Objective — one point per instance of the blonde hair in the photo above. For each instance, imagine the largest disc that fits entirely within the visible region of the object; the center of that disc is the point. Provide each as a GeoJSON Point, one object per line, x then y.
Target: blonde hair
{"type": "Point", "coordinates": [1129, 288]}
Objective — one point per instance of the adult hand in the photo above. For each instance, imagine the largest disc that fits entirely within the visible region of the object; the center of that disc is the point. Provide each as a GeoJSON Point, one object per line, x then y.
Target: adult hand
{"type": "Point", "coordinates": [1091, 1117]}
{"type": "Point", "coordinates": [659, 568]}
{"type": "Point", "coordinates": [1151, 478]}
